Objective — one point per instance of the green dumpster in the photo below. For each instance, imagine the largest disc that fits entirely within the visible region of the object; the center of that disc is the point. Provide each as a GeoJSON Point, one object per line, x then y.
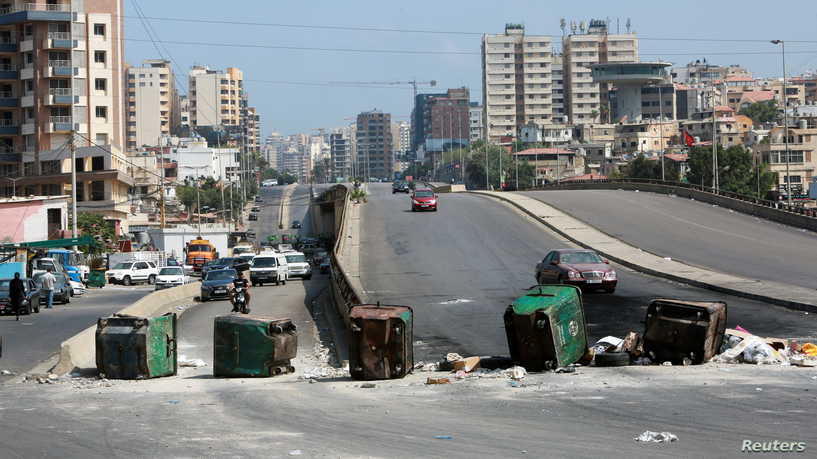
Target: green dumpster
{"type": "Point", "coordinates": [129, 347]}
{"type": "Point", "coordinates": [96, 278]}
{"type": "Point", "coordinates": [248, 346]}
{"type": "Point", "coordinates": [546, 328]}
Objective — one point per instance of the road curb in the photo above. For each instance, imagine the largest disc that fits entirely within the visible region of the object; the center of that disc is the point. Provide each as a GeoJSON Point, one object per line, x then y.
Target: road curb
{"type": "Point", "coordinates": [79, 351]}
{"type": "Point", "coordinates": [789, 304]}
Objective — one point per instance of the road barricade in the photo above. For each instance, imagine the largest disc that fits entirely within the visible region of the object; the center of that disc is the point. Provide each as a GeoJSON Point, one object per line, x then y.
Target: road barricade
{"type": "Point", "coordinates": [381, 341]}
{"type": "Point", "coordinates": [248, 346]}
{"type": "Point", "coordinates": [678, 330]}
{"type": "Point", "coordinates": [130, 347]}
{"type": "Point", "coordinates": [546, 327]}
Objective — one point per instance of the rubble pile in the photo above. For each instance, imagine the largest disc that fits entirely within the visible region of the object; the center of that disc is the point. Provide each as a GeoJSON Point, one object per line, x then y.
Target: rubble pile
{"type": "Point", "coordinates": [740, 346]}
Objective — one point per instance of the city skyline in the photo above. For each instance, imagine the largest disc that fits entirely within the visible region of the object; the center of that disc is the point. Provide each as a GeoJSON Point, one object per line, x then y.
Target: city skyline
{"type": "Point", "coordinates": [301, 99]}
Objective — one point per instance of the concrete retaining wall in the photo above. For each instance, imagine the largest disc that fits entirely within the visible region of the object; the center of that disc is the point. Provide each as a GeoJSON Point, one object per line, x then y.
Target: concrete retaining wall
{"type": "Point", "coordinates": [768, 213]}
{"type": "Point", "coordinates": [79, 351]}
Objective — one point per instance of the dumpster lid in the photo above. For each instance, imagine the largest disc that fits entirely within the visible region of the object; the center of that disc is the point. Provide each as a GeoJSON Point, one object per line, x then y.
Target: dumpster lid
{"type": "Point", "coordinates": [545, 296]}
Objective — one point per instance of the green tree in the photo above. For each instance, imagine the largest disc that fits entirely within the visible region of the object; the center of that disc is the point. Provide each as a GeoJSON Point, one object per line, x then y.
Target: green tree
{"type": "Point", "coordinates": [737, 171]}
{"type": "Point", "coordinates": [644, 168]}
{"type": "Point", "coordinates": [761, 112]}
{"type": "Point", "coordinates": [94, 225]}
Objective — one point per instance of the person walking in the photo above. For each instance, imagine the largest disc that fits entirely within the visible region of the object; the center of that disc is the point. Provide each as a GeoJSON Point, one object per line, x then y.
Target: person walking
{"type": "Point", "coordinates": [47, 287]}
{"type": "Point", "coordinates": [17, 292]}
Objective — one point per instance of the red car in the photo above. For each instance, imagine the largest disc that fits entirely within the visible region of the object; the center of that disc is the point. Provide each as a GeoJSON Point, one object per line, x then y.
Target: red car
{"type": "Point", "coordinates": [583, 268]}
{"type": "Point", "coordinates": [423, 199]}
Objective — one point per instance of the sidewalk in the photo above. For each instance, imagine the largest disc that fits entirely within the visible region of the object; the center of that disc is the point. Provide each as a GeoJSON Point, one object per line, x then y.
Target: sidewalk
{"type": "Point", "coordinates": [789, 296]}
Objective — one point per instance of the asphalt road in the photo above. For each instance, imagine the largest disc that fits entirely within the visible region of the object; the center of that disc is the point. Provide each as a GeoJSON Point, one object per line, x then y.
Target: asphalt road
{"type": "Point", "coordinates": [37, 337]}
{"type": "Point", "coordinates": [696, 233]}
{"type": "Point", "coordinates": [461, 266]}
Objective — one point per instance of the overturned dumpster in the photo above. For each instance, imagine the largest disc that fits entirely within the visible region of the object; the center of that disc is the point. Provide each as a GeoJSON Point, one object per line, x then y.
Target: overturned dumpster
{"type": "Point", "coordinates": [381, 341]}
{"type": "Point", "coordinates": [546, 327]}
{"type": "Point", "coordinates": [678, 330]}
{"type": "Point", "coordinates": [129, 347]}
{"type": "Point", "coordinates": [250, 346]}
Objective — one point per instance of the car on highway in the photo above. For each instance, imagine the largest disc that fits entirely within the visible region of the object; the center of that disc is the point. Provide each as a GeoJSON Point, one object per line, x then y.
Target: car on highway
{"type": "Point", "coordinates": [62, 287]}
{"type": "Point", "coordinates": [259, 199]}
{"type": "Point", "coordinates": [208, 266]}
{"type": "Point", "coordinates": [269, 267]}
{"type": "Point", "coordinates": [579, 267]}
{"type": "Point", "coordinates": [238, 263]}
{"type": "Point", "coordinates": [324, 267]}
{"type": "Point", "coordinates": [170, 276]}
{"type": "Point", "coordinates": [255, 209]}
{"type": "Point", "coordinates": [31, 302]}
{"type": "Point", "coordinates": [400, 187]}
{"type": "Point", "coordinates": [253, 217]}
{"type": "Point", "coordinates": [298, 265]}
{"type": "Point", "coordinates": [423, 199]}
{"type": "Point", "coordinates": [129, 272]}
{"type": "Point", "coordinates": [319, 256]}
{"type": "Point", "coordinates": [217, 283]}
{"type": "Point", "coordinates": [296, 224]}
{"type": "Point", "coordinates": [285, 248]}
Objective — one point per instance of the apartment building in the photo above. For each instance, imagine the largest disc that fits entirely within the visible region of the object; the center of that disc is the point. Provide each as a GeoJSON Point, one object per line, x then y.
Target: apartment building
{"type": "Point", "coordinates": [475, 124]}
{"type": "Point", "coordinates": [586, 101]}
{"type": "Point", "coordinates": [152, 103]}
{"type": "Point", "coordinates": [340, 145]}
{"type": "Point", "coordinates": [517, 88]}
{"type": "Point", "coordinates": [374, 145]}
{"type": "Point", "coordinates": [183, 127]}
{"type": "Point", "coordinates": [251, 121]}
{"type": "Point", "coordinates": [61, 70]}
{"type": "Point", "coordinates": [558, 92]}
{"type": "Point", "coordinates": [705, 73]}
{"type": "Point", "coordinates": [732, 129]}
{"type": "Point", "coordinates": [802, 156]}
{"type": "Point", "coordinates": [215, 96]}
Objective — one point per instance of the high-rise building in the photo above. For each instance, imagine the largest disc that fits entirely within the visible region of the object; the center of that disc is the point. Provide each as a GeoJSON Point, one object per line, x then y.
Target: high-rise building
{"type": "Point", "coordinates": [558, 92]}
{"type": "Point", "coordinates": [586, 102]}
{"type": "Point", "coordinates": [340, 145]}
{"type": "Point", "coordinates": [152, 103]}
{"type": "Point", "coordinates": [61, 70]}
{"type": "Point", "coordinates": [475, 125]}
{"type": "Point", "coordinates": [374, 145]}
{"type": "Point", "coordinates": [183, 128]}
{"type": "Point", "coordinates": [251, 121]}
{"type": "Point", "coordinates": [215, 96]}
{"type": "Point", "coordinates": [517, 71]}
{"type": "Point", "coordinates": [441, 121]}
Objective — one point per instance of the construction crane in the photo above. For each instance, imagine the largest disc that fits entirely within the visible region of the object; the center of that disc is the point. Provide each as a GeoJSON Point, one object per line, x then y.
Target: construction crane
{"type": "Point", "coordinates": [412, 83]}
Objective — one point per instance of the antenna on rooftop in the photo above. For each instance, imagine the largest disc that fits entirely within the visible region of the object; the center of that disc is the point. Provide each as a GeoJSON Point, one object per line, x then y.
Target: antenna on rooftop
{"type": "Point", "coordinates": [628, 25]}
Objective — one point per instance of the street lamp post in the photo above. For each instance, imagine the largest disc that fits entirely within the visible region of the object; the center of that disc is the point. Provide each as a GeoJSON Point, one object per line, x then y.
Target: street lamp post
{"type": "Point", "coordinates": [785, 120]}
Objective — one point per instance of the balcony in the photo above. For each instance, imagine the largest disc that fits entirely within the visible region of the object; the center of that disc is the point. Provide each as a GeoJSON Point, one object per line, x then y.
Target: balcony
{"type": "Point", "coordinates": [7, 99]}
{"type": "Point", "coordinates": [29, 12]}
{"type": "Point", "coordinates": [59, 96]}
{"type": "Point", "coordinates": [9, 127]}
{"type": "Point", "coordinates": [59, 40]}
{"type": "Point", "coordinates": [59, 124]}
{"type": "Point", "coordinates": [27, 128]}
{"type": "Point", "coordinates": [59, 69]}
{"type": "Point", "coordinates": [8, 72]}
{"type": "Point", "coordinates": [8, 46]}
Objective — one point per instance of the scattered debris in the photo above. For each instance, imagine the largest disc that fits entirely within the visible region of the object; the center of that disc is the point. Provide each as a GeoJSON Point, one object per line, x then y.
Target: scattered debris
{"type": "Point", "coordinates": [367, 385]}
{"type": "Point", "coordinates": [296, 452]}
{"type": "Point", "coordinates": [567, 369]}
{"type": "Point", "coordinates": [516, 373]}
{"type": "Point", "coordinates": [741, 346]}
{"type": "Point", "coordinates": [467, 364]}
{"type": "Point", "coordinates": [656, 437]}
{"type": "Point", "coordinates": [443, 437]}
{"type": "Point", "coordinates": [667, 364]}
{"type": "Point", "coordinates": [438, 381]}
{"type": "Point", "coordinates": [7, 373]}
{"type": "Point", "coordinates": [422, 366]}
{"type": "Point", "coordinates": [457, 301]}
{"type": "Point", "coordinates": [633, 344]}
{"type": "Point", "coordinates": [173, 402]}
{"type": "Point", "coordinates": [194, 363]}
{"type": "Point", "coordinates": [608, 343]}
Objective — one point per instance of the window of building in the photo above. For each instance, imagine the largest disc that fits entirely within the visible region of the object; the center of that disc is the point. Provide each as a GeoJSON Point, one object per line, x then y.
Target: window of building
{"type": "Point", "coordinates": [99, 57]}
{"type": "Point", "coordinates": [98, 190]}
{"type": "Point", "coordinates": [101, 111]}
{"type": "Point", "coordinates": [507, 45]}
{"type": "Point", "coordinates": [102, 139]}
{"type": "Point", "coordinates": [51, 167]}
{"type": "Point", "coordinates": [98, 163]}
{"type": "Point", "coordinates": [142, 84]}
{"type": "Point", "coordinates": [101, 84]}
{"type": "Point", "coordinates": [99, 30]}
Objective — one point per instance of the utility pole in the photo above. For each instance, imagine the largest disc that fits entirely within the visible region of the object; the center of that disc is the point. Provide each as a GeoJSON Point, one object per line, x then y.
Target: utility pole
{"type": "Point", "coordinates": [198, 208]}
{"type": "Point", "coordinates": [231, 205]}
{"type": "Point", "coordinates": [73, 148]}
{"type": "Point", "coordinates": [714, 144]}
{"type": "Point", "coordinates": [161, 186]}
{"type": "Point", "coordinates": [661, 132]}
{"type": "Point", "coordinates": [785, 122]}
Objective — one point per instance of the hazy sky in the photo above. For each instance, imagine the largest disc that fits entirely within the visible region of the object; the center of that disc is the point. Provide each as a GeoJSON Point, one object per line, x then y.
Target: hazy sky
{"type": "Point", "coordinates": [291, 108]}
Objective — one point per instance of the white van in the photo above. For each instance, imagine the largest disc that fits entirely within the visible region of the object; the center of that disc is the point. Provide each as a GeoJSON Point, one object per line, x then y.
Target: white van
{"type": "Point", "coordinates": [269, 267]}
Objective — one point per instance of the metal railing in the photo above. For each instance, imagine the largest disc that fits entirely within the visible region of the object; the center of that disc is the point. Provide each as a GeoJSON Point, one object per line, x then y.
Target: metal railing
{"type": "Point", "coordinates": [54, 7]}
{"type": "Point", "coordinates": [8, 67]}
{"type": "Point", "coordinates": [60, 119]}
{"type": "Point", "coordinates": [6, 94]}
{"type": "Point", "coordinates": [8, 123]}
{"type": "Point", "coordinates": [59, 35]}
{"type": "Point", "coordinates": [7, 40]}
{"type": "Point", "coordinates": [59, 63]}
{"type": "Point", "coordinates": [779, 205]}
{"type": "Point", "coordinates": [59, 91]}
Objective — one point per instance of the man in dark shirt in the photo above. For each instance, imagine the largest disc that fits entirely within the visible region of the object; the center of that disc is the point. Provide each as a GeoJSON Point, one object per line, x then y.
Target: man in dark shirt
{"type": "Point", "coordinates": [17, 292]}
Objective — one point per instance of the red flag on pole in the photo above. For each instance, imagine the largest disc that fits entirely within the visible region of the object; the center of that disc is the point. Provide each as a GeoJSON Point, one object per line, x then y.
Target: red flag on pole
{"type": "Point", "coordinates": [688, 139]}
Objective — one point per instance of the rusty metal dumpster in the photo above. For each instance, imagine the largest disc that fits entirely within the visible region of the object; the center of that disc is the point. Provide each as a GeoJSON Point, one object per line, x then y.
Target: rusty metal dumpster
{"type": "Point", "coordinates": [129, 347]}
{"type": "Point", "coordinates": [546, 328]}
{"type": "Point", "coordinates": [381, 341]}
{"type": "Point", "coordinates": [252, 346]}
{"type": "Point", "coordinates": [677, 329]}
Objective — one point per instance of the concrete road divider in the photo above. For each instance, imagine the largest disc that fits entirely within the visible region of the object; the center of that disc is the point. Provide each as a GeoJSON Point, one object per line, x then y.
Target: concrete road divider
{"type": "Point", "coordinates": [79, 351]}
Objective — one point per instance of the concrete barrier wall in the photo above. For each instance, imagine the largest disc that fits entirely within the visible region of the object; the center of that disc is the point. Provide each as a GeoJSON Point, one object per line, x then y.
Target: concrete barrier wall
{"type": "Point", "coordinates": [768, 213]}
{"type": "Point", "coordinates": [79, 351]}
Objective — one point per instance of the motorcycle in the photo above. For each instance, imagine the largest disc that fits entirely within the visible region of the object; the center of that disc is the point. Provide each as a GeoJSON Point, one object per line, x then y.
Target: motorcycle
{"type": "Point", "coordinates": [240, 299]}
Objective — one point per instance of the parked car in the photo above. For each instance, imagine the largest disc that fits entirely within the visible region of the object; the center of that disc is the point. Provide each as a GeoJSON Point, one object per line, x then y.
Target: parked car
{"type": "Point", "coordinates": [31, 302]}
{"type": "Point", "coordinates": [77, 288]}
{"type": "Point", "coordinates": [298, 266]}
{"type": "Point", "coordinates": [253, 217]}
{"type": "Point", "coordinates": [269, 267]}
{"type": "Point", "coordinates": [583, 268]}
{"type": "Point", "coordinates": [62, 287]}
{"type": "Point", "coordinates": [170, 276]}
{"type": "Point", "coordinates": [217, 283]}
{"type": "Point", "coordinates": [296, 224]}
{"type": "Point", "coordinates": [423, 199]}
{"type": "Point", "coordinates": [127, 273]}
